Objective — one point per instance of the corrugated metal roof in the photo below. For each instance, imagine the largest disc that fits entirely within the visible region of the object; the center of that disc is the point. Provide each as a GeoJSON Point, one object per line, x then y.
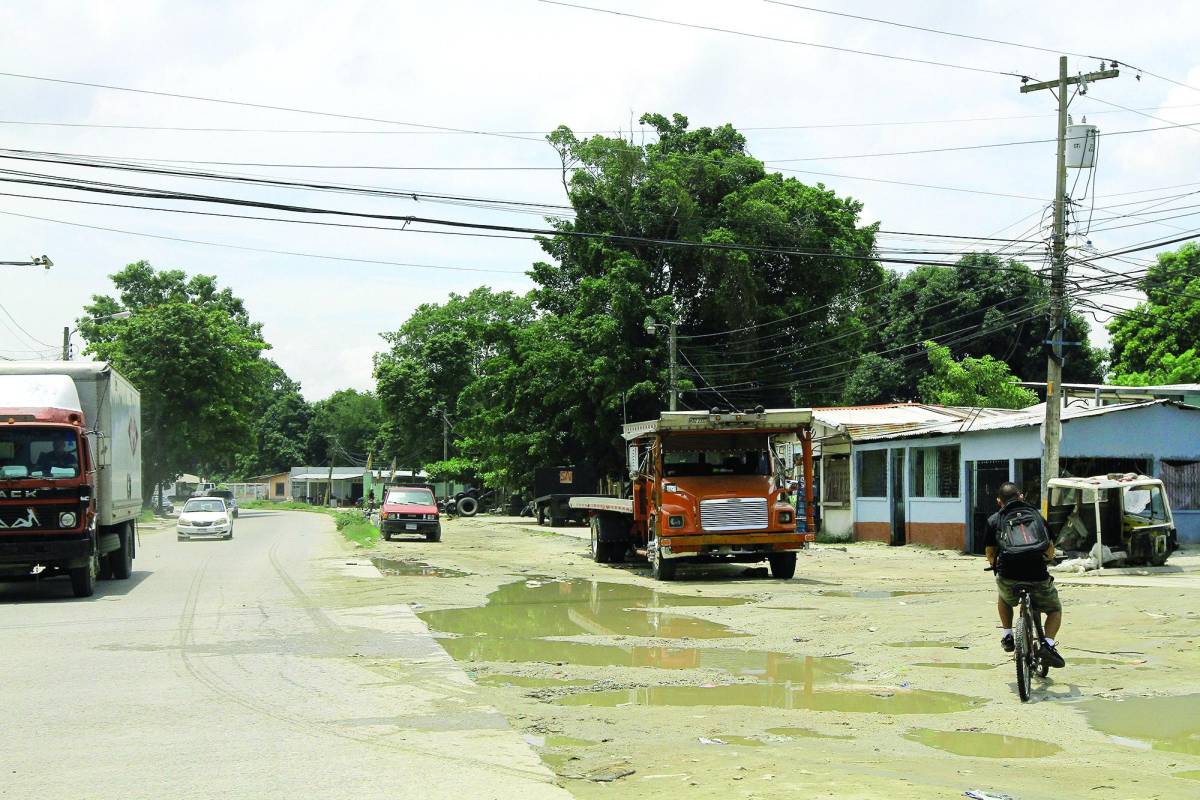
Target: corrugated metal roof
{"type": "Point", "coordinates": [1028, 417]}
{"type": "Point", "coordinates": [862, 422]}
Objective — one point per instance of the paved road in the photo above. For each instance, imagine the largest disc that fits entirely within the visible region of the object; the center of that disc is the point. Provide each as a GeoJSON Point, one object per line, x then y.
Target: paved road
{"type": "Point", "coordinates": [234, 669]}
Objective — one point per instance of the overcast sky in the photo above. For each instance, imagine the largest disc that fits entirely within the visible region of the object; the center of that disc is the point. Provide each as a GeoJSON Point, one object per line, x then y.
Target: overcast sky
{"type": "Point", "coordinates": [520, 65]}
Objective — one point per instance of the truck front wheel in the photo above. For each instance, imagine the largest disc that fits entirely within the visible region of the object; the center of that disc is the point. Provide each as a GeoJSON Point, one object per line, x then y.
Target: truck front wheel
{"type": "Point", "coordinates": [783, 565]}
{"type": "Point", "coordinates": [83, 579]}
{"type": "Point", "coordinates": [663, 569]}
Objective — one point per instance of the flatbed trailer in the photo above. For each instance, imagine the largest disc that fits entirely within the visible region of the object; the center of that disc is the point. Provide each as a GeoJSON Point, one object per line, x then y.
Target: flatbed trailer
{"type": "Point", "coordinates": [707, 488]}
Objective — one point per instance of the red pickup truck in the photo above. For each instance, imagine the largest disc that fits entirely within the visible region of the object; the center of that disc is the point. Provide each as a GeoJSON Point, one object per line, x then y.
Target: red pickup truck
{"type": "Point", "coordinates": [410, 510]}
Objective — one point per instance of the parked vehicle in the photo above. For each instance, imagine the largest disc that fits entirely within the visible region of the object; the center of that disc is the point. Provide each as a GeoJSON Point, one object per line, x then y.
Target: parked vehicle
{"type": "Point", "coordinates": [410, 510]}
{"type": "Point", "coordinates": [205, 518]}
{"type": "Point", "coordinates": [227, 496]}
{"type": "Point", "coordinates": [707, 488]}
{"type": "Point", "coordinates": [1130, 512]}
{"type": "Point", "coordinates": [70, 471]}
{"type": "Point", "coordinates": [553, 488]}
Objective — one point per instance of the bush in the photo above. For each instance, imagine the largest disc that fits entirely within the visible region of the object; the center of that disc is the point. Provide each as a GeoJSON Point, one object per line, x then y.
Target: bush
{"type": "Point", "coordinates": [345, 518]}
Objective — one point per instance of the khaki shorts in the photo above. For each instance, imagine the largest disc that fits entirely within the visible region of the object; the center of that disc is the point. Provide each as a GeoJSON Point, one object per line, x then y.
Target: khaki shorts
{"type": "Point", "coordinates": [1043, 593]}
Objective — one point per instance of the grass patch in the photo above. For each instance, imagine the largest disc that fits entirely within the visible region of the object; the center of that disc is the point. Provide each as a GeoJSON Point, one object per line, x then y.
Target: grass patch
{"type": "Point", "coordinates": [290, 505]}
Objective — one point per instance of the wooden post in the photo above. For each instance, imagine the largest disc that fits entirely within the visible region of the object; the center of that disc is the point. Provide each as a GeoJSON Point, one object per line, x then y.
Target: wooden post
{"type": "Point", "coordinates": [806, 446]}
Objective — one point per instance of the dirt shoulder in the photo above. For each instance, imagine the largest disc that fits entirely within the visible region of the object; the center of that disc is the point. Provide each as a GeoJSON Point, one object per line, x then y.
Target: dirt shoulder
{"type": "Point", "coordinates": [876, 671]}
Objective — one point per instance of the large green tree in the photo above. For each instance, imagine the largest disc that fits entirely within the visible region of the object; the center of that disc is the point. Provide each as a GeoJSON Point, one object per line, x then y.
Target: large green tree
{"type": "Point", "coordinates": [983, 382]}
{"type": "Point", "coordinates": [344, 427]}
{"type": "Point", "coordinates": [193, 352]}
{"type": "Point", "coordinates": [1156, 341]}
{"type": "Point", "coordinates": [281, 427]}
{"type": "Point", "coordinates": [983, 306]}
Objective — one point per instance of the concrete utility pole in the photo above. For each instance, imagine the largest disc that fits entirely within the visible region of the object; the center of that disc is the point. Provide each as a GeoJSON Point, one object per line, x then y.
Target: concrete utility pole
{"type": "Point", "coordinates": [66, 343]}
{"type": "Point", "coordinates": [674, 369]}
{"type": "Point", "coordinates": [1058, 268]}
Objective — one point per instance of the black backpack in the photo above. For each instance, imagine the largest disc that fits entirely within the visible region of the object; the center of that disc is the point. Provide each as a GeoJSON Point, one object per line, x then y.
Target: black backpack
{"type": "Point", "coordinates": [1022, 530]}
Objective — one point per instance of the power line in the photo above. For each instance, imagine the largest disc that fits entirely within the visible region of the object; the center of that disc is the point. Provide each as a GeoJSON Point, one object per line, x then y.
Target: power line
{"type": "Point", "coordinates": [781, 40]}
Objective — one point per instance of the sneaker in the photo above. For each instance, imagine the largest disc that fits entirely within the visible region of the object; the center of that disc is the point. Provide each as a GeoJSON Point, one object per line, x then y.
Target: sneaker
{"type": "Point", "coordinates": [1052, 657]}
{"type": "Point", "coordinates": [1007, 643]}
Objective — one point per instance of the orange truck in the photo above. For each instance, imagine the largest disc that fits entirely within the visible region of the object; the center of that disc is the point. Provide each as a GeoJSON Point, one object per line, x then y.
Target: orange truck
{"type": "Point", "coordinates": [708, 488]}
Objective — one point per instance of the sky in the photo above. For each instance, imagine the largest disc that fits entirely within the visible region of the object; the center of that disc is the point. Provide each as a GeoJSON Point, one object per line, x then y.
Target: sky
{"type": "Point", "coordinates": [526, 66]}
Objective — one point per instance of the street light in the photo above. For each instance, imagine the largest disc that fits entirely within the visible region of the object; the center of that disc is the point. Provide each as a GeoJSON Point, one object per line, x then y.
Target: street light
{"type": "Point", "coordinates": [34, 261]}
{"type": "Point", "coordinates": [68, 330]}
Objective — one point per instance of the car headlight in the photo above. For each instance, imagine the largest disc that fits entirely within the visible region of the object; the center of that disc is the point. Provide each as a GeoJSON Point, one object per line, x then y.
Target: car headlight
{"type": "Point", "coordinates": [786, 517]}
{"type": "Point", "coordinates": [675, 521]}
{"type": "Point", "coordinates": [431, 516]}
{"type": "Point", "coordinates": [67, 519]}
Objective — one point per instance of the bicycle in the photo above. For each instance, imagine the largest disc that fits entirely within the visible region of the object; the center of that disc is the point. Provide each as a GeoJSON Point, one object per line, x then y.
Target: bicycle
{"type": "Point", "coordinates": [1027, 638]}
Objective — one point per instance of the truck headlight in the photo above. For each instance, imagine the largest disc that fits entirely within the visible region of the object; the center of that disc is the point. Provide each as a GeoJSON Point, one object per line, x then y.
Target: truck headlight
{"type": "Point", "coordinates": [675, 521]}
{"type": "Point", "coordinates": [785, 517]}
{"type": "Point", "coordinates": [67, 519]}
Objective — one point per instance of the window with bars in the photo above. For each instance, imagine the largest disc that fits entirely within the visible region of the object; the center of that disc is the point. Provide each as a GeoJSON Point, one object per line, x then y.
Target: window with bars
{"type": "Point", "coordinates": [935, 472]}
{"type": "Point", "coordinates": [1181, 479]}
{"type": "Point", "coordinates": [872, 473]}
{"type": "Point", "coordinates": [836, 471]}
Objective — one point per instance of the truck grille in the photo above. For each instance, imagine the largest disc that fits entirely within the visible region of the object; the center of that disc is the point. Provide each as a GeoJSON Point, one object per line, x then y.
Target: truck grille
{"type": "Point", "coordinates": [734, 514]}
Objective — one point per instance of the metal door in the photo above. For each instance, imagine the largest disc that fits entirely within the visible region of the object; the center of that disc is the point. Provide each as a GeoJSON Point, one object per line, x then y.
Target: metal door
{"type": "Point", "coordinates": [898, 497]}
{"type": "Point", "coordinates": [986, 477]}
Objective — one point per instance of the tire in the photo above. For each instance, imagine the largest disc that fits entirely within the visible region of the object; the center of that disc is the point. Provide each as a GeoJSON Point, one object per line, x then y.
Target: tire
{"type": "Point", "coordinates": [663, 569]}
{"type": "Point", "coordinates": [436, 536]}
{"type": "Point", "coordinates": [1023, 657]}
{"type": "Point", "coordinates": [83, 579]}
{"type": "Point", "coordinates": [602, 552]}
{"type": "Point", "coordinates": [783, 565]}
{"type": "Point", "coordinates": [468, 506]}
{"type": "Point", "coordinates": [541, 515]}
{"type": "Point", "coordinates": [387, 537]}
{"type": "Point", "coordinates": [120, 561]}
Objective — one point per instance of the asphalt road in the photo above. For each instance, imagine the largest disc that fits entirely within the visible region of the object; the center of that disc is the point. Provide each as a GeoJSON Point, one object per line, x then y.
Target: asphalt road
{"type": "Point", "coordinates": [236, 669]}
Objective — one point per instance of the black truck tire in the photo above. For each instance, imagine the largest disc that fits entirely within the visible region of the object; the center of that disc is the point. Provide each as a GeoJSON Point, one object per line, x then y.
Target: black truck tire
{"type": "Point", "coordinates": [436, 536]}
{"type": "Point", "coordinates": [83, 579]}
{"type": "Point", "coordinates": [541, 515]}
{"type": "Point", "coordinates": [783, 565]}
{"type": "Point", "coordinates": [468, 506]}
{"type": "Point", "coordinates": [663, 569]}
{"type": "Point", "coordinates": [120, 561]}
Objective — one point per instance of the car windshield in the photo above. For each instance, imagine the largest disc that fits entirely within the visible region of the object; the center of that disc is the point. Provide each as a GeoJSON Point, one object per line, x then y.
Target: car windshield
{"type": "Point", "coordinates": [38, 453]}
{"type": "Point", "coordinates": [1145, 505]}
{"type": "Point", "coordinates": [202, 506]}
{"type": "Point", "coordinates": [420, 497]}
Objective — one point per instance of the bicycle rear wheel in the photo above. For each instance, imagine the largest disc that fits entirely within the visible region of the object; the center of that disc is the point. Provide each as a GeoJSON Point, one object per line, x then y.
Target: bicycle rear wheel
{"type": "Point", "coordinates": [1023, 654]}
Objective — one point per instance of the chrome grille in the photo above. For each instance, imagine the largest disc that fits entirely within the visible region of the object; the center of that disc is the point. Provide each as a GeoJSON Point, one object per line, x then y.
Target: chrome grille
{"type": "Point", "coordinates": [734, 514]}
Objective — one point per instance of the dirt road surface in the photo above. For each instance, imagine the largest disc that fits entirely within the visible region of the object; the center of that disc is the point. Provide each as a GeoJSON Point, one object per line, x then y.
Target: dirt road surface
{"type": "Point", "coordinates": [219, 670]}
{"type": "Point", "coordinates": [876, 672]}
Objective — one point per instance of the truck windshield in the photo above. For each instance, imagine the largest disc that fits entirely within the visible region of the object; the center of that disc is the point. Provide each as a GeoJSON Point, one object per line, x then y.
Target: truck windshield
{"type": "Point", "coordinates": [38, 453]}
{"type": "Point", "coordinates": [420, 497]}
{"type": "Point", "coordinates": [716, 455]}
{"type": "Point", "coordinates": [1145, 505]}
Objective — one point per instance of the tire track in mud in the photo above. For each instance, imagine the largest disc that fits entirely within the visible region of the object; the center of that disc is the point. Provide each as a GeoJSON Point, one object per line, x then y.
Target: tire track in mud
{"type": "Point", "coordinates": [223, 689]}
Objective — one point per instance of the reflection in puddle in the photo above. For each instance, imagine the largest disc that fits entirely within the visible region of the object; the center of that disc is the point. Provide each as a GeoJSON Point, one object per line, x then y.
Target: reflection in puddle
{"type": "Point", "coordinates": [527, 610]}
{"type": "Point", "coordinates": [764, 666]}
{"type": "Point", "coordinates": [768, 695]}
{"type": "Point", "coordinates": [955, 665]}
{"type": "Point", "coordinates": [1161, 723]}
{"type": "Point", "coordinates": [928, 643]}
{"type": "Point", "coordinates": [875, 594]}
{"type": "Point", "coordinates": [982, 745]}
{"type": "Point", "coordinates": [804, 733]}
{"type": "Point", "coordinates": [527, 681]}
{"type": "Point", "coordinates": [392, 566]}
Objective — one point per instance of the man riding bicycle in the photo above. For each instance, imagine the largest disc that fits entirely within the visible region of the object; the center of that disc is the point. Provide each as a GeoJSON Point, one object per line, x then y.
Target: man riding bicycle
{"type": "Point", "coordinates": [1018, 546]}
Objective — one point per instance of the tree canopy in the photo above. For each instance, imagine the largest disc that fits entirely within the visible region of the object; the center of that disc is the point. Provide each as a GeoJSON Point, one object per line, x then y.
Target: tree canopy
{"type": "Point", "coordinates": [983, 382]}
{"type": "Point", "coordinates": [1156, 341]}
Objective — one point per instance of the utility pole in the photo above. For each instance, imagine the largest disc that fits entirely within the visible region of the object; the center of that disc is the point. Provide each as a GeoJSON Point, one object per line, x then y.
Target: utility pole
{"type": "Point", "coordinates": [66, 343]}
{"type": "Point", "coordinates": [674, 368]}
{"type": "Point", "coordinates": [1058, 268]}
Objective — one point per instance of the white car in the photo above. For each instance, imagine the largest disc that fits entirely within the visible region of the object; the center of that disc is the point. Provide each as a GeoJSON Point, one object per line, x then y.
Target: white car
{"type": "Point", "coordinates": [205, 518]}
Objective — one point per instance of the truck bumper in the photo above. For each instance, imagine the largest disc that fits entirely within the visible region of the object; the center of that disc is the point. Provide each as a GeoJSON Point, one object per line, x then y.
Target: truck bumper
{"type": "Point", "coordinates": [49, 550]}
{"type": "Point", "coordinates": [732, 544]}
{"type": "Point", "coordinates": [397, 527]}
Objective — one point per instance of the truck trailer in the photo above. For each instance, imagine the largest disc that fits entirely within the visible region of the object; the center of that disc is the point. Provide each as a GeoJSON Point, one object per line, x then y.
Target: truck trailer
{"type": "Point", "coordinates": [70, 472]}
{"type": "Point", "coordinates": [708, 487]}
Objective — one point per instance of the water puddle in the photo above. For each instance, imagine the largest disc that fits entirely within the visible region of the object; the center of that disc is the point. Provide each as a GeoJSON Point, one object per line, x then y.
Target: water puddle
{"type": "Point", "coordinates": [1191, 775]}
{"type": "Point", "coordinates": [534, 609]}
{"type": "Point", "coordinates": [556, 740]}
{"type": "Point", "coordinates": [1159, 723]}
{"type": "Point", "coordinates": [929, 643]}
{"type": "Point", "coordinates": [769, 695]}
{"type": "Point", "coordinates": [527, 681]}
{"type": "Point", "coordinates": [392, 566]}
{"type": "Point", "coordinates": [955, 665]}
{"type": "Point", "coordinates": [759, 665]}
{"type": "Point", "coordinates": [871, 594]}
{"type": "Point", "coordinates": [803, 733]}
{"type": "Point", "coordinates": [982, 745]}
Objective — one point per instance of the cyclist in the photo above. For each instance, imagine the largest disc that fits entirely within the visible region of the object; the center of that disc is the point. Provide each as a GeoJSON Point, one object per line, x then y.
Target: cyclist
{"type": "Point", "coordinates": [1018, 546]}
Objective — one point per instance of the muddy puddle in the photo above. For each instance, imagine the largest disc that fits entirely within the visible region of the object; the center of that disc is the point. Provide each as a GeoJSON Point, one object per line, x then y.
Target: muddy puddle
{"type": "Point", "coordinates": [396, 567]}
{"type": "Point", "coordinates": [954, 665]}
{"type": "Point", "coordinates": [868, 594]}
{"type": "Point", "coordinates": [803, 733]}
{"type": "Point", "coordinates": [1191, 774]}
{"type": "Point", "coordinates": [1149, 723]}
{"type": "Point", "coordinates": [772, 695]}
{"type": "Point", "coordinates": [982, 745]}
{"type": "Point", "coordinates": [527, 681]}
{"type": "Point", "coordinates": [536, 609]}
